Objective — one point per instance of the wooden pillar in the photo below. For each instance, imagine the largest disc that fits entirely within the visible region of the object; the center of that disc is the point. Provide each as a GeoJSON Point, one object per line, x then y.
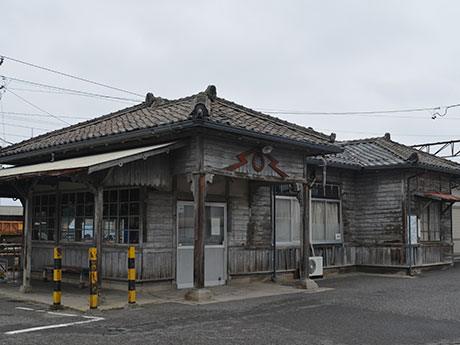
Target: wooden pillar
{"type": "Point", "coordinates": [98, 209]}
{"type": "Point", "coordinates": [306, 232]}
{"type": "Point", "coordinates": [199, 195]}
{"type": "Point", "coordinates": [27, 257]}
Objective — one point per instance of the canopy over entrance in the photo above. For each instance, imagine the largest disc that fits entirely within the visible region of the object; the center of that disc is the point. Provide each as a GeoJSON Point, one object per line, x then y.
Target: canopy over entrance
{"type": "Point", "coordinates": [88, 163]}
{"type": "Point", "coordinates": [438, 196]}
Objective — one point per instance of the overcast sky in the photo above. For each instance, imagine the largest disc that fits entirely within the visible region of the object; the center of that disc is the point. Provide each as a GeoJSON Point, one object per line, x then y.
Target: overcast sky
{"type": "Point", "coordinates": [326, 56]}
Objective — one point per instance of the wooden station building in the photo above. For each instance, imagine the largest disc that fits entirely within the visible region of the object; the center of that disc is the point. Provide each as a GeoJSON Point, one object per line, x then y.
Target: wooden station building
{"type": "Point", "coordinates": [361, 217]}
{"type": "Point", "coordinates": [208, 190]}
{"type": "Point", "coordinates": [190, 183]}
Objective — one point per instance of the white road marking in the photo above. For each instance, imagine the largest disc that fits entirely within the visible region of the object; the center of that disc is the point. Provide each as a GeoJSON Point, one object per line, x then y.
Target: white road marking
{"type": "Point", "coordinates": [24, 308]}
{"type": "Point", "coordinates": [60, 314]}
{"type": "Point", "coordinates": [40, 311]}
{"type": "Point", "coordinates": [34, 329]}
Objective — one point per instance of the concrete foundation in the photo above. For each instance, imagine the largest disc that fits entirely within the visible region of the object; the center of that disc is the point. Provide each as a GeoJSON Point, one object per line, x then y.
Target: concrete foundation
{"type": "Point", "coordinates": [308, 284]}
{"type": "Point", "coordinates": [25, 288]}
{"type": "Point", "coordinates": [198, 295]}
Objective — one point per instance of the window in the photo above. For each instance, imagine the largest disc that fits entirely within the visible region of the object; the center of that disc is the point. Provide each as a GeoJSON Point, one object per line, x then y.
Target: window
{"type": "Point", "coordinates": [287, 220]}
{"type": "Point", "coordinates": [121, 216]}
{"type": "Point", "coordinates": [430, 221]}
{"type": "Point", "coordinates": [77, 210]}
{"type": "Point", "coordinates": [215, 224]}
{"type": "Point", "coordinates": [325, 216]}
{"type": "Point", "coordinates": [44, 217]}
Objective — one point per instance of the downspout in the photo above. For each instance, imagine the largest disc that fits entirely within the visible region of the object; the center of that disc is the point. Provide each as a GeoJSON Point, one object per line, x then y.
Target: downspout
{"type": "Point", "coordinates": [409, 219]}
{"type": "Point", "coordinates": [274, 230]}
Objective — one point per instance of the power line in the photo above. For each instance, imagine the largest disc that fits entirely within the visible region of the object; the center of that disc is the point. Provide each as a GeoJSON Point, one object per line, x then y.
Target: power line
{"type": "Point", "coordinates": [27, 119]}
{"type": "Point", "coordinates": [71, 91]}
{"type": "Point", "coordinates": [28, 127]}
{"type": "Point", "coordinates": [434, 111]}
{"type": "Point", "coordinates": [33, 105]}
{"type": "Point", "coordinates": [41, 115]}
{"type": "Point", "coordinates": [69, 75]}
{"type": "Point", "coordinates": [375, 133]}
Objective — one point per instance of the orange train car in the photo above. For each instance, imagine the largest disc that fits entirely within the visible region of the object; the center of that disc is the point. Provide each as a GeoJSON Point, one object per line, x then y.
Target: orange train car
{"type": "Point", "coordinates": [10, 229]}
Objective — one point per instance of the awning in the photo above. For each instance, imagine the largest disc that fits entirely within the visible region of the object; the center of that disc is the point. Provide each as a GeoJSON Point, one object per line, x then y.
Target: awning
{"type": "Point", "coordinates": [438, 196]}
{"type": "Point", "coordinates": [87, 163]}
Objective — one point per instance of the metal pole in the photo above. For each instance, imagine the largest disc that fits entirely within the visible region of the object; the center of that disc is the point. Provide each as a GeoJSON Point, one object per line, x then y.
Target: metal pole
{"type": "Point", "coordinates": [93, 278]}
{"type": "Point", "coordinates": [409, 225]}
{"type": "Point", "coordinates": [131, 275]}
{"type": "Point", "coordinates": [409, 228]}
{"type": "Point", "coordinates": [57, 277]}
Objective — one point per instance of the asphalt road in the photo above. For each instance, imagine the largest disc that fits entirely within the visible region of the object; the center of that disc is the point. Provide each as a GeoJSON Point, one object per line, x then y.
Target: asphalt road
{"type": "Point", "coordinates": [362, 309]}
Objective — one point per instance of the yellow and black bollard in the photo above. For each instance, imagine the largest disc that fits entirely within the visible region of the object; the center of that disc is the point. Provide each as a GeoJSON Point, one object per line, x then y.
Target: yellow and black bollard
{"type": "Point", "coordinates": [131, 275]}
{"type": "Point", "coordinates": [93, 278]}
{"type": "Point", "coordinates": [57, 277]}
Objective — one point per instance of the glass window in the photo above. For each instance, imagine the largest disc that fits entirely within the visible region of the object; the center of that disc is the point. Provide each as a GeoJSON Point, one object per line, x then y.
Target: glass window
{"type": "Point", "coordinates": [215, 224]}
{"type": "Point", "coordinates": [287, 220]}
{"type": "Point", "coordinates": [77, 211]}
{"type": "Point", "coordinates": [121, 216]}
{"type": "Point", "coordinates": [325, 221]}
{"type": "Point", "coordinates": [44, 217]}
{"type": "Point", "coordinates": [430, 221]}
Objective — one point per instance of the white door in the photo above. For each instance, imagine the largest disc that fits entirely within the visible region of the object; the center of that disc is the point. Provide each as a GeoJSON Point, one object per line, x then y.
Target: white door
{"type": "Point", "coordinates": [215, 265]}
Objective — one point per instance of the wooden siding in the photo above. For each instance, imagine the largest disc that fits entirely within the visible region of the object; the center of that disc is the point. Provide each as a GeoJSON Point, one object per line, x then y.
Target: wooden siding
{"type": "Point", "coordinates": [152, 172]}
{"type": "Point", "coordinates": [260, 219]}
{"type": "Point", "coordinates": [239, 222]}
{"type": "Point", "coordinates": [160, 220]}
{"type": "Point", "coordinates": [219, 154]}
{"type": "Point", "coordinates": [260, 260]}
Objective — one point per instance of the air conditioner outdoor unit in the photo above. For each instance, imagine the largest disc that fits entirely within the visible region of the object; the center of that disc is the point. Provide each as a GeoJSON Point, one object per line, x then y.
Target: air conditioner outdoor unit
{"type": "Point", "coordinates": [316, 266]}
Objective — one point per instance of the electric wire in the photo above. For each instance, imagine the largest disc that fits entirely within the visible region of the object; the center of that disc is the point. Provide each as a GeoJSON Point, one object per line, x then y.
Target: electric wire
{"type": "Point", "coordinates": [69, 75]}
{"type": "Point", "coordinates": [375, 133]}
{"type": "Point", "coordinates": [440, 111]}
{"type": "Point", "coordinates": [70, 91]}
{"type": "Point", "coordinates": [41, 115]}
{"type": "Point", "coordinates": [33, 105]}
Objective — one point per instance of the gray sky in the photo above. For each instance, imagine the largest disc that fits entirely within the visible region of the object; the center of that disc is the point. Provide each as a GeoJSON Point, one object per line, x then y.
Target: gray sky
{"type": "Point", "coordinates": [331, 56]}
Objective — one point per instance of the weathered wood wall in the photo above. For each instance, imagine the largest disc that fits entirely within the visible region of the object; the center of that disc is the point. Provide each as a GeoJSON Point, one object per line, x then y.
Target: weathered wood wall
{"type": "Point", "coordinates": [152, 172]}
{"type": "Point", "coordinates": [260, 260]}
{"type": "Point", "coordinates": [220, 154]}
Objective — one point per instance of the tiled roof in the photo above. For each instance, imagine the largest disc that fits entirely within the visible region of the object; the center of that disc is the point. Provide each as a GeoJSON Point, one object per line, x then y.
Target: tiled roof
{"type": "Point", "coordinates": [374, 153]}
{"type": "Point", "coordinates": [163, 113]}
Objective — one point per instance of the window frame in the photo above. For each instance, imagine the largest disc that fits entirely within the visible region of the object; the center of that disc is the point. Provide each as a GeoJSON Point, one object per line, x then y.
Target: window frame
{"type": "Point", "coordinates": [192, 203]}
{"type": "Point", "coordinates": [61, 216]}
{"type": "Point", "coordinates": [56, 216]}
{"type": "Point", "coordinates": [291, 242]}
{"type": "Point", "coordinates": [140, 215]}
{"type": "Point", "coordinates": [426, 208]}
{"type": "Point", "coordinates": [327, 200]}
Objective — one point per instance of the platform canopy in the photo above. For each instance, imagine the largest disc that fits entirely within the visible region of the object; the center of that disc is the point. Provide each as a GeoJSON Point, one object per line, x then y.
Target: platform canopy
{"type": "Point", "coordinates": [89, 164]}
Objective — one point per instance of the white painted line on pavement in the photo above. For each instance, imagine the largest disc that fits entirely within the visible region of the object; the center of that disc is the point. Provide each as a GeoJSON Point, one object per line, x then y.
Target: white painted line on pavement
{"type": "Point", "coordinates": [24, 308]}
{"type": "Point", "coordinates": [60, 314]}
{"type": "Point", "coordinates": [40, 311]}
{"type": "Point", "coordinates": [34, 329]}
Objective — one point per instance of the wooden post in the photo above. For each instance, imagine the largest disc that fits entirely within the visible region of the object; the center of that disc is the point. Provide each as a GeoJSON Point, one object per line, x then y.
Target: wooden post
{"type": "Point", "coordinates": [98, 209]}
{"type": "Point", "coordinates": [199, 181]}
{"type": "Point", "coordinates": [27, 257]}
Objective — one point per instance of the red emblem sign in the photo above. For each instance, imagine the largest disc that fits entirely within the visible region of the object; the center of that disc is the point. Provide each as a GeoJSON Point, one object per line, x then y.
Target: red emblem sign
{"type": "Point", "coordinates": [258, 161]}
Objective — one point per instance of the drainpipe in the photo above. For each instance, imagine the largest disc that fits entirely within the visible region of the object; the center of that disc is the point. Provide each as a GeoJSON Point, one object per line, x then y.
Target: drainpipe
{"type": "Point", "coordinates": [274, 231]}
{"type": "Point", "coordinates": [409, 220]}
